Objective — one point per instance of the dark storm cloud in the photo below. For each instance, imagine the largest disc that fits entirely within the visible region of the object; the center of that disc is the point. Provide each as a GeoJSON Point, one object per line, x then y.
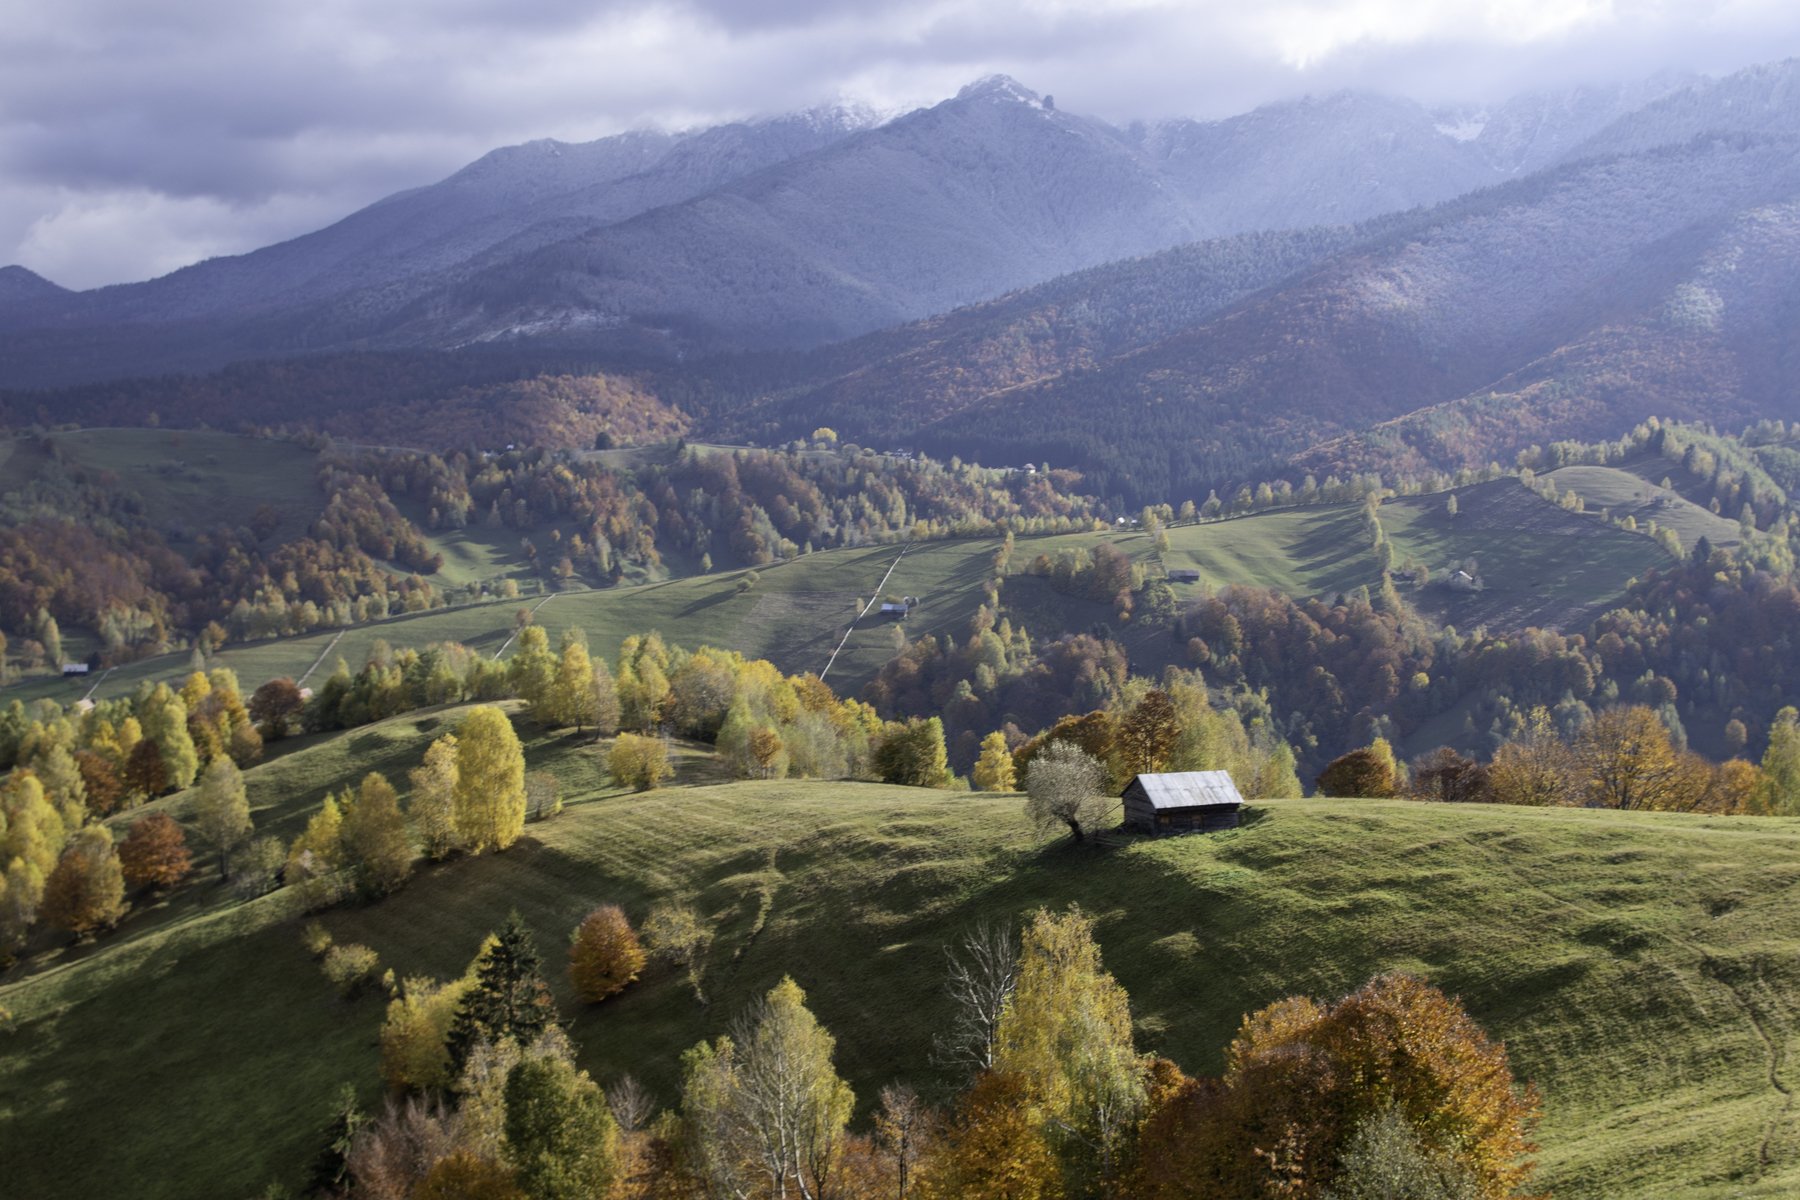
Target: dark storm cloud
{"type": "Point", "coordinates": [138, 136]}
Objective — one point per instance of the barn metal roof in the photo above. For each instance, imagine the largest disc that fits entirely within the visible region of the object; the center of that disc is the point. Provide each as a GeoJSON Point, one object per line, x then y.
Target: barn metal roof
{"type": "Point", "coordinates": [1189, 789]}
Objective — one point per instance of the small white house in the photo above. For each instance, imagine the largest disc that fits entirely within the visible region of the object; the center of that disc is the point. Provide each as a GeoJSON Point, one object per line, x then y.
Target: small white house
{"type": "Point", "coordinates": [70, 670]}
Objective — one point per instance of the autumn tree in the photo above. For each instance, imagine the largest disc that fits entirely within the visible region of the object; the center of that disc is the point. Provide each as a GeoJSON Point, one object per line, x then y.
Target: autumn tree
{"type": "Point", "coordinates": [572, 699]}
{"type": "Point", "coordinates": [275, 707]}
{"type": "Point", "coordinates": [102, 781]}
{"type": "Point", "coordinates": [86, 891]}
{"type": "Point", "coordinates": [1066, 1032]}
{"type": "Point", "coordinates": [164, 717]}
{"type": "Point", "coordinates": [1365, 772]}
{"type": "Point", "coordinates": [1781, 765]}
{"type": "Point", "coordinates": [1535, 766]}
{"type": "Point", "coordinates": [905, 1131]}
{"type": "Point", "coordinates": [144, 774]}
{"type": "Point", "coordinates": [154, 853]}
{"type": "Point", "coordinates": [432, 805]}
{"type": "Point", "coordinates": [560, 1136]}
{"type": "Point", "coordinates": [1062, 789]}
{"type": "Point", "coordinates": [377, 849]}
{"type": "Point", "coordinates": [32, 835]}
{"type": "Point", "coordinates": [606, 700]}
{"type": "Point", "coordinates": [509, 998]}
{"type": "Point", "coordinates": [415, 1053]}
{"type": "Point", "coordinates": [765, 1105]}
{"type": "Point", "coordinates": [532, 673]}
{"type": "Point", "coordinates": [605, 955]}
{"type": "Point", "coordinates": [489, 800]}
{"type": "Point", "coordinates": [1146, 737]}
{"type": "Point", "coordinates": [995, 1147]}
{"type": "Point", "coordinates": [912, 753]}
{"type": "Point", "coordinates": [994, 769]}
{"type": "Point", "coordinates": [1627, 760]}
{"type": "Point", "coordinates": [222, 811]}
{"type": "Point", "coordinates": [315, 859]}
{"type": "Point", "coordinates": [1302, 1078]}
{"type": "Point", "coordinates": [638, 762]}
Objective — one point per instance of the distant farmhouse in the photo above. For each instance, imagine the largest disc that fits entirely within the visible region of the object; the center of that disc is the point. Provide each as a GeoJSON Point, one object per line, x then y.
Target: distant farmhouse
{"type": "Point", "coordinates": [1181, 802]}
{"type": "Point", "coordinates": [898, 608]}
{"type": "Point", "coordinates": [1184, 575]}
{"type": "Point", "coordinates": [73, 669]}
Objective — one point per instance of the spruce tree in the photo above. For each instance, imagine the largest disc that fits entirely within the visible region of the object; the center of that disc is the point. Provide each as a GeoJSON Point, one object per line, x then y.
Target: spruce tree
{"type": "Point", "coordinates": [510, 998]}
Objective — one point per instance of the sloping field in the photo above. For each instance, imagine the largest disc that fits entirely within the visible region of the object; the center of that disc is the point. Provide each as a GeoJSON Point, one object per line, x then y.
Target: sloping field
{"type": "Point", "coordinates": [1540, 565]}
{"type": "Point", "coordinates": [1644, 970]}
{"type": "Point", "coordinates": [1626, 493]}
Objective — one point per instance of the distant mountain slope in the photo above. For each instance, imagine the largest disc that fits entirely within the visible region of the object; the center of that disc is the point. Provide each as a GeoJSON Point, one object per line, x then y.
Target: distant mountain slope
{"type": "Point", "coordinates": [501, 196]}
{"type": "Point", "coordinates": [1602, 292]}
{"type": "Point", "coordinates": [788, 232]}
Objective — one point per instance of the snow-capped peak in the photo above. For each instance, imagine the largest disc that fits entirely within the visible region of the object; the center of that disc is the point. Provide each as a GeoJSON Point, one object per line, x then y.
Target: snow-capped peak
{"type": "Point", "coordinates": [1000, 87]}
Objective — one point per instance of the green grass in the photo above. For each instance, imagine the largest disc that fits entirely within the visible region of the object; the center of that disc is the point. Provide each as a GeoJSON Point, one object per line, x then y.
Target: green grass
{"type": "Point", "coordinates": [1644, 970]}
{"type": "Point", "coordinates": [1541, 565]}
{"type": "Point", "coordinates": [189, 480]}
{"type": "Point", "coordinates": [1628, 493]}
{"type": "Point", "coordinates": [1301, 551]}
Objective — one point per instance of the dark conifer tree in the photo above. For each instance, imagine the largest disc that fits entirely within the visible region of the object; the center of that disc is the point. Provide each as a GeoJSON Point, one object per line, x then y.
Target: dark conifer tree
{"type": "Point", "coordinates": [509, 999]}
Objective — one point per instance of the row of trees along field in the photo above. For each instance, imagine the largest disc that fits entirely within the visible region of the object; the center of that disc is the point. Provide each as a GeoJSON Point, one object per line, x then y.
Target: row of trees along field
{"type": "Point", "coordinates": [1390, 1091]}
{"type": "Point", "coordinates": [77, 547]}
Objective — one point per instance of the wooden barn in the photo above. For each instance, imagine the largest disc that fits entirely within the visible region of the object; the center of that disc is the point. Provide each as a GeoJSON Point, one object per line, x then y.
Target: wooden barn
{"type": "Point", "coordinates": [1181, 802]}
{"type": "Point", "coordinates": [1184, 575]}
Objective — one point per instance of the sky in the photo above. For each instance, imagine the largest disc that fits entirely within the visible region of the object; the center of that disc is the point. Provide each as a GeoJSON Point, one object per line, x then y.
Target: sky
{"type": "Point", "coordinates": [137, 136]}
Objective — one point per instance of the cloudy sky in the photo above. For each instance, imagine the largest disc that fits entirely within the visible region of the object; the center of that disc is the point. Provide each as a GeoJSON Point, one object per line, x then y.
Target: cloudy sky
{"type": "Point", "coordinates": [140, 135]}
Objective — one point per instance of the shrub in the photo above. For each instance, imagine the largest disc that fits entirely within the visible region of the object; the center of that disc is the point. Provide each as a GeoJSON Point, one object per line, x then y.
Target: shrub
{"type": "Point", "coordinates": [316, 938]}
{"type": "Point", "coordinates": [638, 762]}
{"type": "Point", "coordinates": [350, 968]}
{"type": "Point", "coordinates": [258, 869]}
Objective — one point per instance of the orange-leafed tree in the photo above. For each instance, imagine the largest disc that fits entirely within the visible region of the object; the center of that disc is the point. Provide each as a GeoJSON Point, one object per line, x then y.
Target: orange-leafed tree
{"type": "Point", "coordinates": [86, 891]}
{"type": "Point", "coordinates": [995, 1148]}
{"type": "Point", "coordinates": [1305, 1083]}
{"type": "Point", "coordinates": [155, 853]}
{"type": "Point", "coordinates": [605, 955]}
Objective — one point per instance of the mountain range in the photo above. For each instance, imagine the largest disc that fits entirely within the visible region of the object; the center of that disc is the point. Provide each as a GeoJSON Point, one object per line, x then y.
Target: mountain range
{"type": "Point", "coordinates": [1350, 282]}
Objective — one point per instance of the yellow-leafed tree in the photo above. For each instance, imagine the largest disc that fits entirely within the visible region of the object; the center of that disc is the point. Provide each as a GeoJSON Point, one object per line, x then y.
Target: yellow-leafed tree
{"type": "Point", "coordinates": [489, 807]}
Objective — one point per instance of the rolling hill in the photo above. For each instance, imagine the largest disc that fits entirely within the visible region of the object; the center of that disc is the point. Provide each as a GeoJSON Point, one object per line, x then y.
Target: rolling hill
{"type": "Point", "coordinates": [1640, 968]}
{"type": "Point", "coordinates": [1544, 565]}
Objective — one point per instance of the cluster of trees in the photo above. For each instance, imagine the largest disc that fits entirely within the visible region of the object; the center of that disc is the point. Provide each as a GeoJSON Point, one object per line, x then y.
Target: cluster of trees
{"type": "Point", "coordinates": [1625, 757]}
{"type": "Point", "coordinates": [77, 545]}
{"type": "Point", "coordinates": [68, 771]}
{"type": "Point", "coordinates": [1391, 1086]}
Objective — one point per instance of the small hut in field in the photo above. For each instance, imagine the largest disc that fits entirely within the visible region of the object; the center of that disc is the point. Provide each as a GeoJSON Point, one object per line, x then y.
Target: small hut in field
{"type": "Point", "coordinates": [1181, 802]}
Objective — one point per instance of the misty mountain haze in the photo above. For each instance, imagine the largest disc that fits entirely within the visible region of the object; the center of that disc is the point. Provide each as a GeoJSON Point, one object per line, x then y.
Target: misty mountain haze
{"type": "Point", "coordinates": [1362, 275]}
{"type": "Point", "coordinates": [794, 230]}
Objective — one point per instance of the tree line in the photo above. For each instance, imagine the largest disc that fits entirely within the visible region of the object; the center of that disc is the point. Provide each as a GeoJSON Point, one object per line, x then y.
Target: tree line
{"type": "Point", "coordinates": [1389, 1091]}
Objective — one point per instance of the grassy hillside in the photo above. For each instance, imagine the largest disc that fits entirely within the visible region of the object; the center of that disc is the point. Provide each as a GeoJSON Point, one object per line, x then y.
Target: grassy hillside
{"type": "Point", "coordinates": [1540, 564]}
{"type": "Point", "coordinates": [188, 480]}
{"type": "Point", "coordinates": [1629, 491]}
{"type": "Point", "coordinates": [1642, 969]}
{"type": "Point", "coordinates": [1543, 566]}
